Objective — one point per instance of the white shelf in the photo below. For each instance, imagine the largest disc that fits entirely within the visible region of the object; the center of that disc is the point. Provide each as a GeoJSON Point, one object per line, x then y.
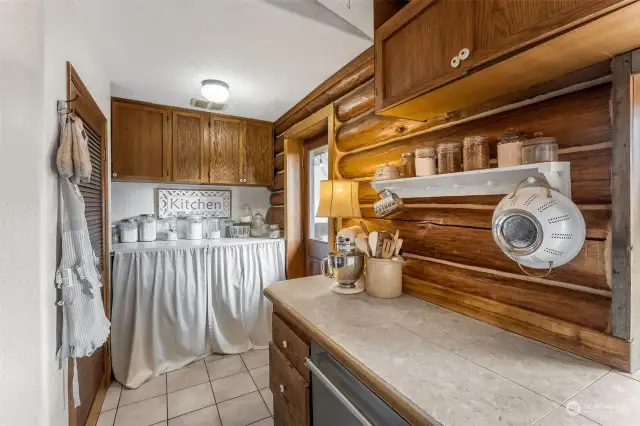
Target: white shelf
{"type": "Point", "coordinates": [500, 180]}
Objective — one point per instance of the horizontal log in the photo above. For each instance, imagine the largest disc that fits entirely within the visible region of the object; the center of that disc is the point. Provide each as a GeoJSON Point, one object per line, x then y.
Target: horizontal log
{"type": "Point", "coordinates": [278, 162]}
{"type": "Point", "coordinates": [574, 338]}
{"type": "Point", "coordinates": [370, 127]}
{"type": "Point", "coordinates": [597, 221]}
{"type": "Point", "coordinates": [475, 247]}
{"type": "Point", "coordinates": [313, 131]}
{"type": "Point", "coordinates": [277, 198]}
{"type": "Point", "coordinates": [275, 216]}
{"type": "Point", "coordinates": [343, 81]}
{"type": "Point", "coordinates": [278, 183]}
{"type": "Point", "coordinates": [358, 101]}
{"type": "Point", "coordinates": [278, 145]}
{"type": "Point", "coordinates": [577, 307]}
{"type": "Point", "coordinates": [578, 119]}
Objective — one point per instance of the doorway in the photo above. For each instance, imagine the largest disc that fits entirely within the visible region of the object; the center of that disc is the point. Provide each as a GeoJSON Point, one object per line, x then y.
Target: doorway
{"type": "Point", "coordinates": [316, 160]}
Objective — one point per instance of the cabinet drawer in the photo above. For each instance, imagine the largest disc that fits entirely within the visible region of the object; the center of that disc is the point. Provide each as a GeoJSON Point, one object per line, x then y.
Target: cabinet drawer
{"type": "Point", "coordinates": [292, 346]}
{"type": "Point", "coordinates": [282, 416]}
{"type": "Point", "coordinates": [288, 387]}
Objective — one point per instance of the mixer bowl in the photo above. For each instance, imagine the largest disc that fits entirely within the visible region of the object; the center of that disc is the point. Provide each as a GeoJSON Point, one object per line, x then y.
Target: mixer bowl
{"type": "Point", "coordinates": [345, 268]}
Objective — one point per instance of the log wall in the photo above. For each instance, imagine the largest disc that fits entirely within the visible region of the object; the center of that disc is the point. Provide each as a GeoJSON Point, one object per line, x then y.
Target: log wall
{"type": "Point", "coordinates": [448, 240]}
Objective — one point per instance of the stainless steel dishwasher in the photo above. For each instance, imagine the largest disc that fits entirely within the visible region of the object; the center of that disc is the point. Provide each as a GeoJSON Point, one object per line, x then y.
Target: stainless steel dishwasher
{"type": "Point", "coordinates": [339, 398]}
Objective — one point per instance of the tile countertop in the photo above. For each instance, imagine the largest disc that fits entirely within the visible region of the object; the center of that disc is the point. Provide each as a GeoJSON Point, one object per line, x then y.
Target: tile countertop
{"type": "Point", "coordinates": [452, 370]}
{"type": "Point", "coordinates": [182, 244]}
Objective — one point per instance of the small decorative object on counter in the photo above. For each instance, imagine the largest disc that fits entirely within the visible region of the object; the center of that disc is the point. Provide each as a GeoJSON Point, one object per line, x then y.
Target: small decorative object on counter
{"type": "Point", "coordinates": [224, 227]}
{"type": "Point", "coordinates": [239, 231]}
{"type": "Point", "coordinates": [115, 234]}
{"type": "Point", "coordinates": [194, 227]}
{"type": "Point", "coordinates": [449, 157]}
{"type": "Point", "coordinates": [258, 227]}
{"type": "Point", "coordinates": [212, 228]}
{"type": "Point", "coordinates": [147, 227]}
{"type": "Point", "coordinates": [128, 231]}
{"type": "Point", "coordinates": [426, 161]}
{"type": "Point", "coordinates": [387, 203]}
{"type": "Point", "coordinates": [510, 148]}
{"type": "Point", "coordinates": [384, 278]}
{"type": "Point", "coordinates": [539, 150]}
{"type": "Point", "coordinates": [408, 165]}
{"type": "Point", "coordinates": [274, 231]}
{"type": "Point", "coordinates": [166, 226]}
{"type": "Point", "coordinates": [475, 153]}
{"type": "Point", "coordinates": [247, 215]}
{"type": "Point", "coordinates": [387, 172]}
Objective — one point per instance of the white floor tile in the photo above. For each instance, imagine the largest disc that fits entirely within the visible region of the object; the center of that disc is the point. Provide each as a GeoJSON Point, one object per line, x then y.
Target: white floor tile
{"type": "Point", "coordinates": [143, 413]}
{"type": "Point", "coordinates": [225, 367]}
{"type": "Point", "coordinates": [192, 375]}
{"type": "Point", "coordinates": [265, 422]}
{"type": "Point", "coordinates": [190, 399]}
{"type": "Point", "coordinates": [160, 424]}
{"type": "Point", "coordinates": [243, 410]}
{"type": "Point", "coordinates": [111, 399]}
{"type": "Point", "coordinates": [154, 387]}
{"type": "Point", "coordinates": [204, 417]}
{"type": "Point", "coordinates": [217, 357]}
{"type": "Point", "coordinates": [255, 359]}
{"type": "Point", "coordinates": [106, 418]}
{"type": "Point", "coordinates": [233, 386]}
{"type": "Point", "coordinates": [268, 398]}
{"type": "Point", "coordinates": [115, 384]}
{"type": "Point", "coordinates": [261, 376]}
{"type": "Point", "coordinates": [563, 417]}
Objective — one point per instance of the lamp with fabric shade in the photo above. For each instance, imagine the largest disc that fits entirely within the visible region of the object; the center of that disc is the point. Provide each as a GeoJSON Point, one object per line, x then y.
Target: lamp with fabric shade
{"type": "Point", "coordinates": [338, 199]}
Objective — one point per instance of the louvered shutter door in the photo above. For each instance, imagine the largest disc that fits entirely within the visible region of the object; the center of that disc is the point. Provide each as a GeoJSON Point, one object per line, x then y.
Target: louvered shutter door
{"type": "Point", "coordinates": [92, 193]}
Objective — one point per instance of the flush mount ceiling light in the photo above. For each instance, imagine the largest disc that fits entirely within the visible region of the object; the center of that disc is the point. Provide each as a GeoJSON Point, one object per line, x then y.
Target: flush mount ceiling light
{"type": "Point", "coordinates": [215, 90]}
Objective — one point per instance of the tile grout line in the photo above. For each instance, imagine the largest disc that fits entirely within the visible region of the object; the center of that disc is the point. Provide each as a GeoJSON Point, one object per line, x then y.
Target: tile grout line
{"type": "Point", "coordinates": [256, 385]}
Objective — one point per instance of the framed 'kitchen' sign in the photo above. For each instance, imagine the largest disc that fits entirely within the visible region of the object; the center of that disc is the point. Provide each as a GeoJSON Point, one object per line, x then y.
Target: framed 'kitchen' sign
{"type": "Point", "coordinates": [174, 203]}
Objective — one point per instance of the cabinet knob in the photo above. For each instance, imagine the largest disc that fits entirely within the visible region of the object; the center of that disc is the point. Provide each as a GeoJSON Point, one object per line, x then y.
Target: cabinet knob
{"type": "Point", "coordinates": [114, 174]}
{"type": "Point", "coordinates": [464, 54]}
{"type": "Point", "coordinates": [285, 344]}
{"type": "Point", "coordinates": [455, 62]}
{"type": "Point", "coordinates": [281, 388]}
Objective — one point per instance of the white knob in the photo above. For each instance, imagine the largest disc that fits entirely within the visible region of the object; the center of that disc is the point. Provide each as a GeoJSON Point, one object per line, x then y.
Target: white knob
{"type": "Point", "coordinates": [281, 388]}
{"type": "Point", "coordinates": [464, 54]}
{"type": "Point", "coordinates": [285, 344]}
{"type": "Point", "coordinates": [114, 175]}
{"type": "Point", "coordinates": [455, 62]}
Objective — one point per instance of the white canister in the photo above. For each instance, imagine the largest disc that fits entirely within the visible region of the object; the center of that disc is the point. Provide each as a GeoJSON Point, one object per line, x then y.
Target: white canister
{"type": "Point", "coordinates": [426, 162]}
{"type": "Point", "coordinates": [384, 278]}
{"type": "Point", "coordinates": [147, 227]}
{"type": "Point", "coordinates": [194, 227]}
{"type": "Point", "coordinates": [128, 231]}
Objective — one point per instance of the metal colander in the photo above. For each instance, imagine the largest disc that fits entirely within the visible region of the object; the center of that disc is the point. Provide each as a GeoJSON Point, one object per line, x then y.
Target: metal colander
{"type": "Point", "coordinates": [519, 232]}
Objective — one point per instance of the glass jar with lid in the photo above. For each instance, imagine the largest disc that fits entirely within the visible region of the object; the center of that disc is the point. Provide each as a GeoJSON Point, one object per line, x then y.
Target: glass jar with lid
{"type": "Point", "coordinates": [247, 214]}
{"type": "Point", "coordinates": [194, 227]}
{"type": "Point", "coordinates": [449, 157]}
{"type": "Point", "coordinates": [128, 231]}
{"type": "Point", "coordinates": [212, 228]}
{"type": "Point", "coordinates": [167, 228]}
{"type": "Point", "coordinates": [147, 229]}
{"type": "Point", "coordinates": [475, 153]}
{"type": "Point", "coordinates": [539, 150]}
{"type": "Point", "coordinates": [408, 164]}
{"type": "Point", "coordinates": [426, 161]}
{"type": "Point", "coordinates": [510, 148]}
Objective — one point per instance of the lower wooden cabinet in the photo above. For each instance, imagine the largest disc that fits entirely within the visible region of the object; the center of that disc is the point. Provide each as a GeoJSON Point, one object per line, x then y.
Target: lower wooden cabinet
{"type": "Point", "coordinates": [289, 389]}
{"type": "Point", "coordinates": [290, 345]}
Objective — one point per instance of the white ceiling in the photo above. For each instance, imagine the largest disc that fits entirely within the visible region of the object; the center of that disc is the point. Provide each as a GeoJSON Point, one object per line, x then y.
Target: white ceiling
{"type": "Point", "coordinates": [271, 52]}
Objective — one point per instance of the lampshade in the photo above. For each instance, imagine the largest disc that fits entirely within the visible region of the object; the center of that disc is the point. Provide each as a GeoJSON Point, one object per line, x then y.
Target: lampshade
{"type": "Point", "coordinates": [338, 198]}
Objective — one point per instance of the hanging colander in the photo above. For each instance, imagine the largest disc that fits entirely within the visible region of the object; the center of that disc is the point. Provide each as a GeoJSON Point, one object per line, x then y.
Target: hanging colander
{"type": "Point", "coordinates": [538, 227]}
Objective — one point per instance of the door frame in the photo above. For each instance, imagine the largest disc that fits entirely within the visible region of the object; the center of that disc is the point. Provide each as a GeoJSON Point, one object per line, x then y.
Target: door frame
{"type": "Point", "coordinates": [77, 90]}
{"type": "Point", "coordinates": [294, 185]}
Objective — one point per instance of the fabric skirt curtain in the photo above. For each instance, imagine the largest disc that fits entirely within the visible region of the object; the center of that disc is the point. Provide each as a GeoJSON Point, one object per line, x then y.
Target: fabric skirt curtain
{"type": "Point", "coordinates": [172, 307]}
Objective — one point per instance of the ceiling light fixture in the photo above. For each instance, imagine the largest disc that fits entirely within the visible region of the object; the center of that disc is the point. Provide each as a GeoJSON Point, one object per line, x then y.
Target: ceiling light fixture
{"type": "Point", "coordinates": [215, 90]}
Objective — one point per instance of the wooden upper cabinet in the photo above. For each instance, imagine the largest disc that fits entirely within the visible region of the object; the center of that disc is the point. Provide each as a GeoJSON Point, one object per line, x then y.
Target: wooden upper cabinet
{"type": "Point", "coordinates": [415, 47]}
{"type": "Point", "coordinates": [258, 154]}
{"type": "Point", "coordinates": [189, 160]}
{"type": "Point", "coordinates": [140, 142]}
{"type": "Point", "coordinates": [225, 137]}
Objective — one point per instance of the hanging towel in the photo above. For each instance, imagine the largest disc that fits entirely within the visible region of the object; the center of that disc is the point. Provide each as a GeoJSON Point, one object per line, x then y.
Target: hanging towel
{"type": "Point", "coordinates": [73, 159]}
{"type": "Point", "coordinates": [85, 326]}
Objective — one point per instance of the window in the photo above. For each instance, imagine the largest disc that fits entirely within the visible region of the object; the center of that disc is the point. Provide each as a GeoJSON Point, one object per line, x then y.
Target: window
{"type": "Point", "coordinates": [318, 169]}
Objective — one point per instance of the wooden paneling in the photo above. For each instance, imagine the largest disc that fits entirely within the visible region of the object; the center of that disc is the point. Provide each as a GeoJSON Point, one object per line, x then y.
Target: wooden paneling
{"type": "Point", "coordinates": [275, 215]}
{"type": "Point", "coordinates": [277, 198]}
{"type": "Point", "coordinates": [225, 137]}
{"type": "Point", "coordinates": [288, 386]}
{"type": "Point", "coordinates": [140, 142]}
{"type": "Point", "coordinates": [189, 163]}
{"type": "Point", "coordinates": [294, 207]}
{"type": "Point", "coordinates": [475, 247]}
{"type": "Point", "coordinates": [258, 154]}
{"type": "Point", "coordinates": [577, 307]}
{"type": "Point", "coordinates": [356, 102]}
{"type": "Point", "coordinates": [278, 183]}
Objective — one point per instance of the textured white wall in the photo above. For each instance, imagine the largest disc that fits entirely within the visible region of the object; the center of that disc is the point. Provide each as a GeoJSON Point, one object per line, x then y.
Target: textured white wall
{"type": "Point", "coordinates": [37, 37]}
{"type": "Point", "coordinates": [132, 199]}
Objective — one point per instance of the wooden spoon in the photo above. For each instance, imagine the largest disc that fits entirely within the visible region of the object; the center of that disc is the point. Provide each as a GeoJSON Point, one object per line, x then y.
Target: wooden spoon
{"type": "Point", "coordinates": [362, 244]}
{"type": "Point", "coordinates": [373, 243]}
{"type": "Point", "coordinates": [364, 228]}
{"type": "Point", "coordinates": [395, 237]}
{"type": "Point", "coordinates": [398, 246]}
{"type": "Point", "coordinates": [388, 248]}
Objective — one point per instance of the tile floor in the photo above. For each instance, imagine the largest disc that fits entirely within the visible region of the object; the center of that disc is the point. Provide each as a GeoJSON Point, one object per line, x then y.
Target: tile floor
{"type": "Point", "coordinates": [221, 390]}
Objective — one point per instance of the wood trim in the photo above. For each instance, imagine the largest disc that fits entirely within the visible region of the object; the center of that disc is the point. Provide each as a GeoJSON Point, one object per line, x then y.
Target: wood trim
{"type": "Point", "coordinates": [294, 208]}
{"type": "Point", "coordinates": [94, 414]}
{"type": "Point", "coordinates": [621, 175]}
{"type": "Point", "coordinates": [315, 118]}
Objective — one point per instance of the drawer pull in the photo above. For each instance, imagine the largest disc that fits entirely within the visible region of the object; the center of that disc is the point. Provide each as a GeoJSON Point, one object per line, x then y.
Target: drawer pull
{"type": "Point", "coordinates": [285, 344]}
{"type": "Point", "coordinates": [281, 388]}
{"type": "Point", "coordinates": [455, 62]}
{"type": "Point", "coordinates": [464, 54]}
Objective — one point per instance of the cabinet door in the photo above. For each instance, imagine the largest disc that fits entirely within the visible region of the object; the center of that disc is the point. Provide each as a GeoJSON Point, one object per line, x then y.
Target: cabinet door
{"type": "Point", "coordinates": [225, 137]}
{"type": "Point", "coordinates": [140, 142]}
{"type": "Point", "coordinates": [189, 159]}
{"type": "Point", "coordinates": [415, 47]}
{"type": "Point", "coordinates": [258, 154]}
{"type": "Point", "coordinates": [504, 26]}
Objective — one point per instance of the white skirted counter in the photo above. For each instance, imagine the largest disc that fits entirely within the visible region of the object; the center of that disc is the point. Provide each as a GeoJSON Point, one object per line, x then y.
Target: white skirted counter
{"type": "Point", "coordinates": [175, 302]}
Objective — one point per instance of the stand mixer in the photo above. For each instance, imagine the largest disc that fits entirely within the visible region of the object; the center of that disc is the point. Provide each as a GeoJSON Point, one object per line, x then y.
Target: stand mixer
{"type": "Point", "coordinates": [346, 263]}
